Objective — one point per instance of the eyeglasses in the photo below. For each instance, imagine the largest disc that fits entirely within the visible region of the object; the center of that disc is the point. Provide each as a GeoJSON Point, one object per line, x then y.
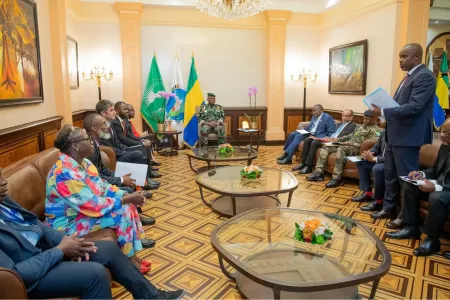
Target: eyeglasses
{"type": "Point", "coordinates": [85, 139]}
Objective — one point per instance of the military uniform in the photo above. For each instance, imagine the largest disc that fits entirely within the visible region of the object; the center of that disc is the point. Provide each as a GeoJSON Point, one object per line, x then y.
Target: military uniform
{"type": "Point", "coordinates": [211, 113]}
{"type": "Point", "coordinates": [360, 134]}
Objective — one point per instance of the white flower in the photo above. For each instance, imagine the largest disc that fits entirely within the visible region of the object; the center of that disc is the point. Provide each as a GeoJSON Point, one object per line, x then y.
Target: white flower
{"type": "Point", "coordinates": [320, 230]}
{"type": "Point", "coordinates": [302, 225]}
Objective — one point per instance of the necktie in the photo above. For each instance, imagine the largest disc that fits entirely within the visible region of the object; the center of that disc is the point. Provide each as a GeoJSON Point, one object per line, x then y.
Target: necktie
{"type": "Point", "coordinates": [336, 134]}
{"type": "Point", "coordinates": [124, 128]}
{"type": "Point", "coordinates": [13, 219]}
{"type": "Point", "coordinates": [405, 80]}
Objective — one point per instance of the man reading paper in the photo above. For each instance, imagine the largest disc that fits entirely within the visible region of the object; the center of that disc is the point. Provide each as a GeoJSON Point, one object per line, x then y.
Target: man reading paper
{"type": "Point", "coordinates": [409, 126]}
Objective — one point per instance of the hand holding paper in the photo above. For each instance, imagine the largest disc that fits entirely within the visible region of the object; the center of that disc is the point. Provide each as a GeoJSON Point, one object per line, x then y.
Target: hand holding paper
{"type": "Point", "coordinates": [380, 99]}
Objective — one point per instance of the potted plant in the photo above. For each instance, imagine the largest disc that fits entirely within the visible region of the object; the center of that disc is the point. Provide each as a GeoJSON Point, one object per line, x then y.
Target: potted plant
{"type": "Point", "coordinates": [252, 91]}
{"type": "Point", "coordinates": [312, 230]}
{"type": "Point", "coordinates": [160, 115]}
{"type": "Point", "coordinates": [225, 150]}
{"type": "Point", "coordinates": [251, 172]}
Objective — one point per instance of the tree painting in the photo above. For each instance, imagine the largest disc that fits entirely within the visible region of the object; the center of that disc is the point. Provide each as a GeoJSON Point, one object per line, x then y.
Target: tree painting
{"type": "Point", "coordinates": [20, 72]}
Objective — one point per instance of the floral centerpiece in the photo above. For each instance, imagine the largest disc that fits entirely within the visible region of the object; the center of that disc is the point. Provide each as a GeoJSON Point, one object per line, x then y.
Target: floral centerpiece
{"type": "Point", "coordinates": [225, 149]}
{"type": "Point", "coordinates": [313, 231]}
{"type": "Point", "coordinates": [251, 172]}
{"type": "Point", "coordinates": [252, 91]}
{"type": "Point", "coordinates": [160, 115]}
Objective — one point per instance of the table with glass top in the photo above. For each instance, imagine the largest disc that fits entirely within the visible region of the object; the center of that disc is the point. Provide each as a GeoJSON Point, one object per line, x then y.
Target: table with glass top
{"type": "Point", "coordinates": [270, 264]}
{"type": "Point", "coordinates": [210, 155]}
{"type": "Point", "coordinates": [238, 196]}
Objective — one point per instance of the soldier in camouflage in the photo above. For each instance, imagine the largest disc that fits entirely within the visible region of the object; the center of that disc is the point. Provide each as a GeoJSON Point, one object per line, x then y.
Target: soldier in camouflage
{"type": "Point", "coordinates": [211, 120]}
{"type": "Point", "coordinates": [351, 143]}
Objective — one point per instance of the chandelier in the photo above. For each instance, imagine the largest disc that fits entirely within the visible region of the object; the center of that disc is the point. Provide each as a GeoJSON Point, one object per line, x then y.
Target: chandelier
{"type": "Point", "coordinates": [232, 9]}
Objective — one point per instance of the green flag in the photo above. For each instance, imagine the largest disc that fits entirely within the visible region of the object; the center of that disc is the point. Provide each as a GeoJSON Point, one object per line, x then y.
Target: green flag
{"type": "Point", "coordinates": [444, 67]}
{"type": "Point", "coordinates": [152, 108]}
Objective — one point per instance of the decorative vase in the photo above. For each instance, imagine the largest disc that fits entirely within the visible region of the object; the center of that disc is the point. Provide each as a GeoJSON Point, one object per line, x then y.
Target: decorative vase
{"type": "Point", "coordinates": [161, 127]}
{"type": "Point", "coordinates": [254, 125]}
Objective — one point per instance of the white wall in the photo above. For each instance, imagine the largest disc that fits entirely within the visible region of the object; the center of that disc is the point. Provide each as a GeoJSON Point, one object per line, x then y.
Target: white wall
{"type": "Point", "coordinates": [378, 27]}
{"type": "Point", "coordinates": [228, 61]}
{"type": "Point", "coordinates": [434, 30]}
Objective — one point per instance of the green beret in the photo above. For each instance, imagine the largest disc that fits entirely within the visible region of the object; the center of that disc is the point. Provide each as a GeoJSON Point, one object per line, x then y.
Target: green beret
{"type": "Point", "coordinates": [211, 95]}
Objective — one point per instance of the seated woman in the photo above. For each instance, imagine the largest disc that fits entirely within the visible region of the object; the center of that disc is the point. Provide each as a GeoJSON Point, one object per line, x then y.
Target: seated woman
{"type": "Point", "coordinates": [78, 200]}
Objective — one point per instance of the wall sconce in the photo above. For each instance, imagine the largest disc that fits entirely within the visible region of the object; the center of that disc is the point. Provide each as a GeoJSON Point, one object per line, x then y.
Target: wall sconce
{"type": "Point", "coordinates": [98, 74]}
{"type": "Point", "coordinates": [304, 76]}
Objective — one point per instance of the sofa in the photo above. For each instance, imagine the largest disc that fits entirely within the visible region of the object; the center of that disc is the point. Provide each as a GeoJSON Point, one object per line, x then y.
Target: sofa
{"type": "Point", "coordinates": [428, 155]}
{"type": "Point", "coordinates": [26, 185]}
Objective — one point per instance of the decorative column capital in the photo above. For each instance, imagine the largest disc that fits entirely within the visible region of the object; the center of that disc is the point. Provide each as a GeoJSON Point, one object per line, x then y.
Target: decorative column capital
{"type": "Point", "coordinates": [278, 15]}
{"type": "Point", "coordinates": [128, 7]}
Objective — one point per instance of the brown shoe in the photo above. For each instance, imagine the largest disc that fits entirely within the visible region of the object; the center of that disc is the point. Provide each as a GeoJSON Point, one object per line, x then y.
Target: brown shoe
{"type": "Point", "coordinates": [396, 224]}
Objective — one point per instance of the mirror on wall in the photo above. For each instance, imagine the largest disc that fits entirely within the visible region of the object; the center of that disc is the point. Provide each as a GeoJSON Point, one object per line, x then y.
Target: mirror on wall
{"type": "Point", "coordinates": [437, 46]}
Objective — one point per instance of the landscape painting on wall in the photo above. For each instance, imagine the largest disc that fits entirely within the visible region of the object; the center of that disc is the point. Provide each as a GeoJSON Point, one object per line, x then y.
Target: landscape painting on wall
{"type": "Point", "coordinates": [348, 67]}
{"type": "Point", "coordinates": [20, 66]}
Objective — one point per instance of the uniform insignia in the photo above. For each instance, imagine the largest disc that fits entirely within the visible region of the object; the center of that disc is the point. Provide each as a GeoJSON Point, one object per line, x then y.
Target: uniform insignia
{"type": "Point", "coordinates": [378, 133]}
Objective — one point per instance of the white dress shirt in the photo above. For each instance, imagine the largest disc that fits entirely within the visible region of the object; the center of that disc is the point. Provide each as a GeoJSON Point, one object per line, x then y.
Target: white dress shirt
{"type": "Point", "coordinates": [313, 130]}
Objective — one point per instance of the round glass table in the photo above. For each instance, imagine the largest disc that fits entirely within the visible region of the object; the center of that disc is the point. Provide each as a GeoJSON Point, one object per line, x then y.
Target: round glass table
{"type": "Point", "coordinates": [209, 154]}
{"type": "Point", "coordinates": [270, 264]}
{"type": "Point", "coordinates": [238, 196]}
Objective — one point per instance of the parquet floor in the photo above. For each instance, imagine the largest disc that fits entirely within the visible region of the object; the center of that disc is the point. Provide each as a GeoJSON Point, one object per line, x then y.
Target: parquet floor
{"type": "Point", "coordinates": [184, 258]}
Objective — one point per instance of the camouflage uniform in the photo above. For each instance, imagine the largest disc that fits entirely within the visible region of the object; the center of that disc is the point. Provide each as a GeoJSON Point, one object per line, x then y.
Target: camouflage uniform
{"type": "Point", "coordinates": [360, 134]}
{"type": "Point", "coordinates": [211, 113]}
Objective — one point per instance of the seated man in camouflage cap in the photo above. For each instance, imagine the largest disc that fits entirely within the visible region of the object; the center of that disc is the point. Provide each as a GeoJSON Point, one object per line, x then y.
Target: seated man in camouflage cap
{"type": "Point", "coordinates": [349, 146]}
{"type": "Point", "coordinates": [211, 120]}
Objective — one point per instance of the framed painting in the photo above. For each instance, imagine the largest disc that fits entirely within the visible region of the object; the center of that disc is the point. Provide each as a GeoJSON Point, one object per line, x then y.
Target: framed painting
{"type": "Point", "coordinates": [20, 64]}
{"type": "Point", "coordinates": [348, 69]}
{"type": "Point", "coordinates": [72, 57]}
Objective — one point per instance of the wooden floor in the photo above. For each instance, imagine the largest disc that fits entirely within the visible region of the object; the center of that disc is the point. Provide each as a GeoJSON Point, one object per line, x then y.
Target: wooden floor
{"type": "Point", "coordinates": [183, 257]}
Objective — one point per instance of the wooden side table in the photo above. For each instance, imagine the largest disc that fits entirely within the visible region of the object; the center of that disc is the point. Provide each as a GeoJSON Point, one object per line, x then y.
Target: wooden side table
{"type": "Point", "coordinates": [251, 132]}
{"type": "Point", "coordinates": [173, 151]}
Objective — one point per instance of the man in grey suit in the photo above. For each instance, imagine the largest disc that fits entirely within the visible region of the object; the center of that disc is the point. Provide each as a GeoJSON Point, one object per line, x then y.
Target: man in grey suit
{"type": "Point", "coordinates": [409, 126]}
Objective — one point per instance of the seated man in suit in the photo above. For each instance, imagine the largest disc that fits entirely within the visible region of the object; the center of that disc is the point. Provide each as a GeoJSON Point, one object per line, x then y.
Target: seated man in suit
{"type": "Point", "coordinates": [373, 163]}
{"type": "Point", "coordinates": [435, 186]}
{"type": "Point", "coordinates": [123, 153]}
{"type": "Point", "coordinates": [311, 144]}
{"type": "Point", "coordinates": [321, 125]}
{"type": "Point", "coordinates": [52, 265]}
{"type": "Point", "coordinates": [131, 114]}
{"type": "Point", "coordinates": [211, 118]}
{"type": "Point", "coordinates": [348, 146]}
{"type": "Point", "coordinates": [94, 125]}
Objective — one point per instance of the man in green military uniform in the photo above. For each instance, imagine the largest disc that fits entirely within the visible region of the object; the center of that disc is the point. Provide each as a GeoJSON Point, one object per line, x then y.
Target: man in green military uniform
{"type": "Point", "coordinates": [211, 117]}
{"type": "Point", "coordinates": [349, 146]}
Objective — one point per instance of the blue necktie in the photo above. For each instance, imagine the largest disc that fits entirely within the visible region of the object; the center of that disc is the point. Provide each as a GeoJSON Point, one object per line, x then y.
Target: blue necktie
{"type": "Point", "coordinates": [336, 134]}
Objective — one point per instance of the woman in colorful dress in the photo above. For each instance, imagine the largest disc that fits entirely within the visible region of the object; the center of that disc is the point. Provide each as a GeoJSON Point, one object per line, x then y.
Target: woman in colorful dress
{"type": "Point", "coordinates": [78, 200]}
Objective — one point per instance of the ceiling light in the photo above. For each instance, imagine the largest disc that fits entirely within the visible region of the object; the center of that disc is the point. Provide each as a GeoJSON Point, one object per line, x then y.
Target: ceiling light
{"type": "Point", "coordinates": [232, 9]}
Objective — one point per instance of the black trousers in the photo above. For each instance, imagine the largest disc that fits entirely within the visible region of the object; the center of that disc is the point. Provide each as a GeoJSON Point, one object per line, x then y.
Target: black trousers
{"type": "Point", "coordinates": [438, 210]}
{"type": "Point", "coordinates": [411, 203]}
{"type": "Point", "coordinates": [136, 155]}
{"type": "Point", "coordinates": [399, 161]}
{"type": "Point", "coordinates": [129, 190]}
{"type": "Point", "coordinates": [365, 168]}
{"type": "Point", "coordinates": [309, 151]}
{"type": "Point", "coordinates": [89, 279]}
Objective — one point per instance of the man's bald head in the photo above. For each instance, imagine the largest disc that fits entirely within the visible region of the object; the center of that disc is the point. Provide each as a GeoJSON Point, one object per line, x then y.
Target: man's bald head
{"type": "Point", "coordinates": [410, 56]}
{"type": "Point", "coordinates": [92, 120]}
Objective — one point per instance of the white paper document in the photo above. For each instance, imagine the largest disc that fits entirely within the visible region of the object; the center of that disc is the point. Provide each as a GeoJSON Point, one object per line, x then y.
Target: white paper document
{"type": "Point", "coordinates": [138, 171]}
{"type": "Point", "coordinates": [302, 131]}
{"type": "Point", "coordinates": [330, 144]}
{"type": "Point", "coordinates": [354, 158]}
{"type": "Point", "coordinates": [381, 99]}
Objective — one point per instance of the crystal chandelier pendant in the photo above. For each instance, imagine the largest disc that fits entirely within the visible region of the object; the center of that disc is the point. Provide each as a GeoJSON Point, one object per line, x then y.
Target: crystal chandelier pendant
{"type": "Point", "coordinates": [232, 9]}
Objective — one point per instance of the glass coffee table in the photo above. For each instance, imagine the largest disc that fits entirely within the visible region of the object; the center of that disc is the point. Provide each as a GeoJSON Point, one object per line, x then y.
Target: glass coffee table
{"type": "Point", "coordinates": [238, 196]}
{"type": "Point", "coordinates": [209, 154]}
{"type": "Point", "coordinates": [271, 264]}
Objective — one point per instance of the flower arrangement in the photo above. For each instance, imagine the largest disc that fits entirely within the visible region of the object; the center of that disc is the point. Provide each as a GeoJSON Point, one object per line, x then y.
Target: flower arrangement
{"type": "Point", "coordinates": [160, 115]}
{"type": "Point", "coordinates": [313, 231]}
{"type": "Point", "coordinates": [252, 91]}
{"type": "Point", "coordinates": [225, 149]}
{"type": "Point", "coordinates": [251, 172]}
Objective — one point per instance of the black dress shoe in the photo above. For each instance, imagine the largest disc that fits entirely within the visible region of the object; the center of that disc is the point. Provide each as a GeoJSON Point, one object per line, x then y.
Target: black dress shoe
{"type": "Point", "coordinates": [154, 163]}
{"type": "Point", "coordinates": [446, 254]}
{"type": "Point", "coordinates": [147, 221]}
{"type": "Point", "coordinates": [429, 246]}
{"type": "Point", "coordinates": [316, 177]}
{"type": "Point", "coordinates": [282, 156]}
{"type": "Point", "coordinates": [152, 182]}
{"type": "Point", "coordinates": [148, 243]}
{"type": "Point", "coordinates": [155, 168]}
{"type": "Point", "coordinates": [153, 174]}
{"type": "Point", "coordinates": [299, 167]}
{"type": "Point", "coordinates": [382, 214]}
{"type": "Point", "coordinates": [396, 224]}
{"type": "Point", "coordinates": [409, 232]}
{"type": "Point", "coordinates": [306, 170]}
{"type": "Point", "coordinates": [362, 198]}
{"type": "Point", "coordinates": [372, 206]}
{"type": "Point", "coordinates": [285, 161]}
{"type": "Point", "coordinates": [334, 183]}
{"type": "Point", "coordinates": [149, 187]}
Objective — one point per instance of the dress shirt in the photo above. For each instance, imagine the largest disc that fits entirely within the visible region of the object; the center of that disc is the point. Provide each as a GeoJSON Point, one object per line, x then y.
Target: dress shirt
{"type": "Point", "coordinates": [31, 236]}
{"type": "Point", "coordinates": [336, 134]}
{"type": "Point", "coordinates": [313, 130]}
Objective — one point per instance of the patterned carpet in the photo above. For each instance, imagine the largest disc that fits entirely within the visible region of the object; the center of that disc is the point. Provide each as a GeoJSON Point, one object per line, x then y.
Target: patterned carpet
{"type": "Point", "coordinates": [183, 256]}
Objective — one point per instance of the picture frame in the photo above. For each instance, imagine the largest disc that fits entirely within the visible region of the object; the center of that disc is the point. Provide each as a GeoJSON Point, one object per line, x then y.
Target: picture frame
{"type": "Point", "coordinates": [348, 69]}
{"type": "Point", "coordinates": [20, 78]}
{"type": "Point", "coordinates": [72, 61]}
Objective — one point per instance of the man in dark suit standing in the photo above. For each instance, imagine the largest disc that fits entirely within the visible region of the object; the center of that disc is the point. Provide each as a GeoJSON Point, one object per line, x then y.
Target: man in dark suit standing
{"type": "Point", "coordinates": [434, 186]}
{"type": "Point", "coordinates": [311, 145]}
{"type": "Point", "coordinates": [373, 163]}
{"type": "Point", "coordinates": [409, 126]}
{"type": "Point", "coordinates": [321, 125]}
